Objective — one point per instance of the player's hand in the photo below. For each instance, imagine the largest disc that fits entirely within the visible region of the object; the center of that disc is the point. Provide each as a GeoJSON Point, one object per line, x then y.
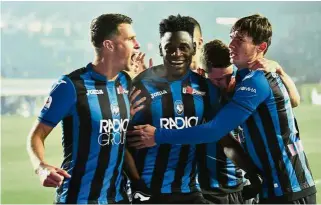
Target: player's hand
{"type": "Point", "coordinates": [231, 86]}
{"type": "Point", "coordinates": [138, 105]}
{"type": "Point", "coordinates": [140, 193]}
{"type": "Point", "coordinates": [51, 176]}
{"type": "Point", "coordinates": [250, 191]}
{"type": "Point", "coordinates": [265, 65]}
{"type": "Point", "coordinates": [143, 136]}
{"type": "Point", "coordinates": [139, 63]}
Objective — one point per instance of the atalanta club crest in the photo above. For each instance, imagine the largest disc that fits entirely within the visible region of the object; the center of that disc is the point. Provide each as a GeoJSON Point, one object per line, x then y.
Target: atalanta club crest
{"type": "Point", "coordinates": [115, 110]}
{"type": "Point", "coordinates": [179, 107]}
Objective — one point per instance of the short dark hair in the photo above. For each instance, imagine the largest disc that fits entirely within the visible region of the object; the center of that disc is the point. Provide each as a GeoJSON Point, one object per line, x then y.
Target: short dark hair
{"type": "Point", "coordinates": [196, 24]}
{"type": "Point", "coordinates": [105, 26]}
{"type": "Point", "coordinates": [216, 54]}
{"type": "Point", "coordinates": [176, 23]}
{"type": "Point", "coordinates": [256, 26]}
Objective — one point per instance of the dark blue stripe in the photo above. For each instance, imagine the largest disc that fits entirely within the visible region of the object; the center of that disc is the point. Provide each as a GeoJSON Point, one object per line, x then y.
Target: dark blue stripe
{"type": "Point", "coordinates": [276, 182]}
{"type": "Point", "coordinates": [175, 149]}
{"type": "Point", "coordinates": [231, 173]}
{"type": "Point", "coordinates": [114, 149]}
{"type": "Point", "coordinates": [152, 152]}
{"type": "Point", "coordinates": [94, 149]}
{"type": "Point", "coordinates": [211, 161]}
{"type": "Point", "coordinates": [252, 153]}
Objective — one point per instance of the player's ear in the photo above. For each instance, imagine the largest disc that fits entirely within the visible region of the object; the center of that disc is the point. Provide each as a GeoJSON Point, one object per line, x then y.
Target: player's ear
{"type": "Point", "coordinates": [200, 42]}
{"type": "Point", "coordinates": [108, 44]}
{"type": "Point", "coordinates": [262, 47]}
{"type": "Point", "coordinates": [160, 50]}
{"type": "Point", "coordinates": [194, 46]}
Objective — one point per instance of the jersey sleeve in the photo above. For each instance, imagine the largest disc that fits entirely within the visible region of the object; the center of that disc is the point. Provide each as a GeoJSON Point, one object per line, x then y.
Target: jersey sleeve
{"type": "Point", "coordinates": [244, 102]}
{"type": "Point", "coordinates": [59, 103]}
{"type": "Point", "coordinates": [251, 92]}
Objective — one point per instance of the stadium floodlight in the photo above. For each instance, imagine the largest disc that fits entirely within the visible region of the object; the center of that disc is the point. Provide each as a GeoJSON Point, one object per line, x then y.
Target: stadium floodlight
{"type": "Point", "coordinates": [3, 24]}
{"type": "Point", "coordinates": [35, 26]}
{"type": "Point", "coordinates": [226, 20]}
{"type": "Point", "coordinates": [150, 46]}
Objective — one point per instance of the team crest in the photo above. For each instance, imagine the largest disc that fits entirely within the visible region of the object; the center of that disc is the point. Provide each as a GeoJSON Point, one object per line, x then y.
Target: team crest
{"type": "Point", "coordinates": [179, 107]}
{"type": "Point", "coordinates": [115, 110]}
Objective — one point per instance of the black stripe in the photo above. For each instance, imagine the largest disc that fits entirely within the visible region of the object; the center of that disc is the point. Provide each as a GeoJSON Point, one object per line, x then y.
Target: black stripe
{"type": "Point", "coordinates": [259, 147]}
{"type": "Point", "coordinates": [201, 150]}
{"type": "Point", "coordinates": [140, 155]}
{"type": "Point", "coordinates": [84, 138]}
{"type": "Point", "coordinates": [104, 154]}
{"type": "Point", "coordinates": [128, 79]}
{"type": "Point", "coordinates": [285, 132]}
{"type": "Point", "coordinates": [189, 111]}
{"type": "Point", "coordinates": [164, 149]}
{"type": "Point", "coordinates": [67, 127]}
{"type": "Point", "coordinates": [203, 171]}
{"type": "Point", "coordinates": [111, 192]}
{"type": "Point", "coordinates": [274, 148]}
{"type": "Point", "coordinates": [221, 169]}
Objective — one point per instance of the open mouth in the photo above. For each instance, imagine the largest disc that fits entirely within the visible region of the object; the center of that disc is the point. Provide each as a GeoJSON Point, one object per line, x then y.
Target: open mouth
{"type": "Point", "coordinates": [177, 63]}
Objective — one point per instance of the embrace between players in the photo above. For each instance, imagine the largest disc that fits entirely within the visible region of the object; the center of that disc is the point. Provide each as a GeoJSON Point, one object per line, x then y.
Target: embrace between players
{"type": "Point", "coordinates": [178, 136]}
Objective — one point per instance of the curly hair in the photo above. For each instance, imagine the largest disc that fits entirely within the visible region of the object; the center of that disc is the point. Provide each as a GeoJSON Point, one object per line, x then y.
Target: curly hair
{"type": "Point", "coordinates": [176, 23]}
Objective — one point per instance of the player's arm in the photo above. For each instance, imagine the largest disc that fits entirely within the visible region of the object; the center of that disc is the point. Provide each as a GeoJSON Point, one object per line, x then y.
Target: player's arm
{"type": "Point", "coordinates": [57, 106]}
{"type": "Point", "coordinates": [273, 66]}
{"type": "Point", "coordinates": [233, 150]}
{"type": "Point", "coordinates": [290, 87]}
{"type": "Point", "coordinates": [243, 104]}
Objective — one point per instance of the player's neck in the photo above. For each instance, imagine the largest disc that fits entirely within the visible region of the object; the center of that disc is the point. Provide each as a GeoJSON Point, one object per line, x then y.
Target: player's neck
{"type": "Point", "coordinates": [195, 63]}
{"type": "Point", "coordinates": [104, 67]}
{"type": "Point", "coordinates": [171, 77]}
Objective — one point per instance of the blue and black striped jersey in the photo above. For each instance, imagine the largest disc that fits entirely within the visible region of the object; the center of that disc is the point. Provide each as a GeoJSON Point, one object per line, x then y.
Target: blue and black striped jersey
{"type": "Point", "coordinates": [261, 104]}
{"type": "Point", "coordinates": [95, 116]}
{"type": "Point", "coordinates": [172, 105]}
{"type": "Point", "coordinates": [217, 173]}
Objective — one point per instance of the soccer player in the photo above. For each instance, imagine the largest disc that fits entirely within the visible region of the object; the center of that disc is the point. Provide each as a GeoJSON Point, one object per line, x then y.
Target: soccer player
{"type": "Point", "coordinates": [224, 184]}
{"type": "Point", "coordinates": [92, 103]}
{"type": "Point", "coordinates": [175, 98]}
{"type": "Point", "coordinates": [198, 39]}
{"type": "Point", "coordinates": [260, 104]}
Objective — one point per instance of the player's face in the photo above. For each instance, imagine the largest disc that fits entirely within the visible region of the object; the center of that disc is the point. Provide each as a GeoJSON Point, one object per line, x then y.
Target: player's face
{"type": "Point", "coordinates": [126, 46]}
{"type": "Point", "coordinates": [221, 77]}
{"type": "Point", "coordinates": [177, 49]}
{"type": "Point", "coordinates": [242, 49]}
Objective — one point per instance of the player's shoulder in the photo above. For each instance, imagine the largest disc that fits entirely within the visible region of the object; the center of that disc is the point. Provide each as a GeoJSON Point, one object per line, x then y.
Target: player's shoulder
{"type": "Point", "coordinates": [148, 74]}
{"type": "Point", "coordinates": [124, 77]}
{"type": "Point", "coordinates": [76, 74]}
{"type": "Point", "coordinates": [201, 79]}
{"type": "Point", "coordinates": [255, 76]}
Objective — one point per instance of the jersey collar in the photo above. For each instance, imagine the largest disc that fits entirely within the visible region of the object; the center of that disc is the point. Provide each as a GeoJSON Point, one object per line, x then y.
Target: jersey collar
{"type": "Point", "coordinates": [97, 76]}
{"type": "Point", "coordinates": [240, 74]}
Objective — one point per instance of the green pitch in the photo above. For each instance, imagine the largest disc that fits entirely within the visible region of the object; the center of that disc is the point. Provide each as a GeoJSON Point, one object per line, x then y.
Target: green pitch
{"type": "Point", "coordinates": [19, 184]}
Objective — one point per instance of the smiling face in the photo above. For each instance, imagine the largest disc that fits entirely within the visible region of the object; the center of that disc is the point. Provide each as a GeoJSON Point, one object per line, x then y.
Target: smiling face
{"type": "Point", "coordinates": [177, 50]}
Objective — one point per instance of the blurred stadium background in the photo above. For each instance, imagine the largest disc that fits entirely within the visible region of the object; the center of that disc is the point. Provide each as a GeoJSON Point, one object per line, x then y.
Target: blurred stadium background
{"type": "Point", "coordinates": [42, 40]}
